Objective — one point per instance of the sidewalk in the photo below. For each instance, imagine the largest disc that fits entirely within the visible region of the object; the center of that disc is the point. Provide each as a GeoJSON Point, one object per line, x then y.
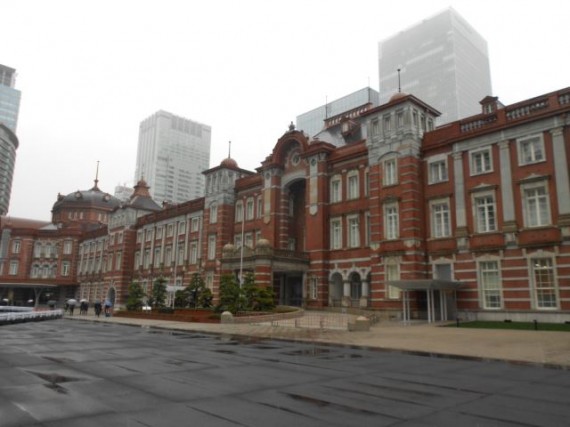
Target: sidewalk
{"type": "Point", "coordinates": [551, 349]}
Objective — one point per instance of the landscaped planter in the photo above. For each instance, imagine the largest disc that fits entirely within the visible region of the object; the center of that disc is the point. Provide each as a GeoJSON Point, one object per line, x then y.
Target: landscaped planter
{"type": "Point", "coordinates": [179, 315]}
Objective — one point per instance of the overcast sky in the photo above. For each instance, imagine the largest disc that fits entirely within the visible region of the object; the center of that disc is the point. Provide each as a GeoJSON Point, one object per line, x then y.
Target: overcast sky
{"type": "Point", "coordinates": [91, 71]}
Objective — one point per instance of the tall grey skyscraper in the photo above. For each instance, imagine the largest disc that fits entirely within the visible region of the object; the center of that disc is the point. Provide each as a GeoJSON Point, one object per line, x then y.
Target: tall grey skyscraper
{"type": "Point", "coordinates": [172, 153]}
{"type": "Point", "coordinates": [312, 122]}
{"type": "Point", "coordinates": [9, 108]}
{"type": "Point", "coordinates": [9, 98]}
{"type": "Point", "coordinates": [442, 60]}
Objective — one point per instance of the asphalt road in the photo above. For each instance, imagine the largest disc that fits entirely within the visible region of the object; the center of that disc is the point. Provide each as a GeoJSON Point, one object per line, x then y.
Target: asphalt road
{"type": "Point", "coordinates": [67, 373]}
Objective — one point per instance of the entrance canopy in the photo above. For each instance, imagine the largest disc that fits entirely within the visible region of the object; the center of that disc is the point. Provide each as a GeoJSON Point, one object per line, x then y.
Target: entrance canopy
{"type": "Point", "coordinates": [429, 286]}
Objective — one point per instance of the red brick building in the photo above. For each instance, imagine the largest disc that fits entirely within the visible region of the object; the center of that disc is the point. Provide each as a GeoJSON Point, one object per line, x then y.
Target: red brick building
{"type": "Point", "coordinates": [380, 211]}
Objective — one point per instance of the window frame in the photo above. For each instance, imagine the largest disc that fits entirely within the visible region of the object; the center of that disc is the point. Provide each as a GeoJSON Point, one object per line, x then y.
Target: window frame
{"type": "Point", "coordinates": [444, 229]}
{"type": "Point", "coordinates": [441, 175]}
{"type": "Point", "coordinates": [543, 218]}
{"type": "Point", "coordinates": [477, 218]}
{"type": "Point", "coordinates": [553, 288]}
{"type": "Point", "coordinates": [336, 189]}
{"type": "Point", "coordinates": [353, 231]}
{"type": "Point", "coordinates": [473, 154]}
{"type": "Point", "coordinates": [352, 185]}
{"type": "Point", "coordinates": [390, 171]}
{"type": "Point", "coordinates": [490, 268]}
{"type": "Point", "coordinates": [335, 226]}
{"type": "Point", "coordinates": [521, 143]}
{"type": "Point", "coordinates": [391, 221]}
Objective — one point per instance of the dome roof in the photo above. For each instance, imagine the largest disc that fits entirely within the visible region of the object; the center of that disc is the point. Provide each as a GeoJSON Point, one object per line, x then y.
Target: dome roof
{"type": "Point", "coordinates": [93, 197]}
{"type": "Point", "coordinates": [229, 163]}
{"type": "Point", "coordinates": [398, 95]}
{"type": "Point", "coordinates": [263, 243]}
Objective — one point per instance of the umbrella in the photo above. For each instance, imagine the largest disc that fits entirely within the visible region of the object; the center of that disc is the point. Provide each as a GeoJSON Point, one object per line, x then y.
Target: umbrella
{"type": "Point", "coordinates": [83, 300]}
{"type": "Point", "coordinates": [72, 301]}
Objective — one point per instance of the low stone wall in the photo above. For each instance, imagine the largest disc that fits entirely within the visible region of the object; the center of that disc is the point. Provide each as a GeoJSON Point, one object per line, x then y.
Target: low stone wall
{"type": "Point", "coordinates": [21, 315]}
{"type": "Point", "coordinates": [263, 318]}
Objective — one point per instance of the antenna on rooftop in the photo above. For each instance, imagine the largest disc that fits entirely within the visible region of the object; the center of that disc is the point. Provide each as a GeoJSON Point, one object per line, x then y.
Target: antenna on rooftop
{"type": "Point", "coordinates": [399, 85]}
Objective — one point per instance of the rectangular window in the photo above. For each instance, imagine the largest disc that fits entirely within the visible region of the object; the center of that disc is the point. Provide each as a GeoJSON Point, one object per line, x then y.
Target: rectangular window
{"type": "Point", "coordinates": [387, 124]}
{"type": "Point", "coordinates": [146, 258]}
{"type": "Point", "coordinates": [16, 246]}
{"type": "Point", "coordinates": [168, 256]}
{"type": "Point", "coordinates": [137, 259]}
{"type": "Point", "coordinates": [544, 283]}
{"type": "Point", "coordinates": [65, 268]}
{"type": "Point", "coordinates": [490, 284]}
{"type": "Point", "coordinates": [352, 186]}
{"type": "Point", "coordinates": [157, 257]}
{"type": "Point", "coordinates": [437, 171]}
{"type": "Point", "coordinates": [536, 206]}
{"type": "Point", "coordinates": [195, 222]}
{"type": "Point", "coordinates": [481, 161]}
{"type": "Point", "coordinates": [119, 259]}
{"type": "Point", "coordinates": [440, 217]}
{"type": "Point", "coordinates": [120, 238]}
{"type": "Point", "coordinates": [531, 150]}
{"type": "Point", "coordinates": [259, 207]}
{"type": "Point", "coordinates": [400, 119]}
{"type": "Point", "coordinates": [248, 240]}
{"type": "Point", "coordinates": [336, 195]}
{"type": "Point", "coordinates": [169, 230]}
{"type": "Point", "coordinates": [353, 232]}
{"type": "Point", "coordinates": [139, 236]}
{"type": "Point", "coordinates": [392, 273]}
{"type": "Point", "coordinates": [368, 225]}
{"type": "Point", "coordinates": [194, 252]}
{"type": "Point", "coordinates": [390, 172]}
{"type": "Point", "coordinates": [239, 211]}
{"type": "Point", "coordinates": [391, 221]}
{"type": "Point", "coordinates": [159, 231]}
{"type": "Point", "coordinates": [336, 233]}
{"type": "Point", "coordinates": [249, 209]}
{"type": "Point", "coordinates": [213, 215]}
{"type": "Point", "coordinates": [148, 235]}
{"type": "Point", "coordinates": [375, 127]}
{"type": "Point", "coordinates": [212, 246]}
{"type": "Point", "coordinates": [181, 227]}
{"type": "Point", "coordinates": [180, 254]}
{"type": "Point", "coordinates": [485, 214]}
{"type": "Point", "coordinates": [13, 268]}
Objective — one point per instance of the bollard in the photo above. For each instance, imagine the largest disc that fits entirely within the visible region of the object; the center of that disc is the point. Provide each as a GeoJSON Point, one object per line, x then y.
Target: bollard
{"type": "Point", "coordinates": [457, 322]}
{"type": "Point", "coordinates": [535, 324]}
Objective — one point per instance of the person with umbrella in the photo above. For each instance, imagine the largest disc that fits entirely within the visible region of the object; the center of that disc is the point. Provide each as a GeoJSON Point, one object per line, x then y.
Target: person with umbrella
{"type": "Point", "coordinates": [108, 306]}
{"type": "Point", "coordinates": [97, 307]}
{"type": "Point", "coordinates": [83, 306]}
{"type": "Point", "coordinates": [71, 303]}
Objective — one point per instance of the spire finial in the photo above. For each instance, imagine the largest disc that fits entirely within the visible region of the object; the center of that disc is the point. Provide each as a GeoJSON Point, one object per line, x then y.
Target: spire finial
{"type": "Point", "coordinates": [399, 83]}
{"type": "Point", "coordinates": [97, 175]}
{"type": "Point", "coordinates": [229, 149]}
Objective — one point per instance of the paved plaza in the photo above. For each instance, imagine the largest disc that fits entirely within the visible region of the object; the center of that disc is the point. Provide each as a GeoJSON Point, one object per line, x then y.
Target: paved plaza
{"type": "Point", "coordinates": [83, 372]}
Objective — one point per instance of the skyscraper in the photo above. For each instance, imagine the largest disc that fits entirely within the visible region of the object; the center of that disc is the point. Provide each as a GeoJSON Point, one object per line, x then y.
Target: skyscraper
{"type": "Point", "coordinates": [172, 153]}
{"type": "Point", "coordinates": [442, 60]}
{"type": "Point", "coordinates": [9, 98]}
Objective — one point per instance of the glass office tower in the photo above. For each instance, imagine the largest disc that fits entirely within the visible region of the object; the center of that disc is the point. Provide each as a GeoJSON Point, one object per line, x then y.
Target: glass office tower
{"type": "Point", "coordinates": [9, 98]}
{"type": "Point", "coordinates": [172, 153]}
{"type": "Point", "coordinates": [442, 60]}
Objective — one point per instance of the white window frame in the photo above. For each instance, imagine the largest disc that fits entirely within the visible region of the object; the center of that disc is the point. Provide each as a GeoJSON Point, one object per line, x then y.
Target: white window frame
{"type": "Point", "coordinates": [477, 167]}
{"type": "Point", "coordinates": [352, 185]}
{"type": "Point", "coordinates": [211, 247]}
{"type": "Point", "coordinates": [194, 252]}
{"type": "Point", "coordinates": [536, 208]}
{"type": "Point", "coordinates": [392, 272]}
{"type": "Point", "coordinates": [390, 171]}
{"type": "Point", "coordinates": [440, 212]}
{"type": "Point", "coordinates": [313, 288]}
{"type": "Point", "coordinates": [239, 211]}
{"type": "Point", "coordinates": [437, 170]}
{"type": "Point", "coordinates": [16, 246]}
{"type": "Point", "coordinates": [249, 211]}
{"type": "Point", "coordinates": [157, 257]}
{"type": "Point", "coordinates": [336, 233]}
{"type": "Point", "coordinates": [542, 269]}
{"type": "Point", "coordinates": [353, 230]}
{"type": "Point", "coordinates": [336, 189]}
{"type": "Point", "coordinates": [536, 154]}
{"type": "Point", "coordinates": [259, 207]}
{"type": "Point", "coordinates": [195, 221]}
{"type": "Point", "coordinates": [391, 221]}
{"type": "Point", "coordinates": [14, 265]}
{"type": "Point", "coordinates": [481, 217]}
{"type": "Point", "coordinates": [489, 279]}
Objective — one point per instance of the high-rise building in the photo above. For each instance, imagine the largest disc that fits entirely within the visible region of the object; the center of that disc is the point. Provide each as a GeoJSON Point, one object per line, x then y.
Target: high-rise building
{"type": "Point", "coordinates": [9, 98]}
{"type": "Point", "coordinates": [312, 122]}
{"type": "Point", "coordinates": [8, 146]}
{"type": "Point", "coordinates": [172, 153]}
{"type": "Point", "coordinates": [442, 60]}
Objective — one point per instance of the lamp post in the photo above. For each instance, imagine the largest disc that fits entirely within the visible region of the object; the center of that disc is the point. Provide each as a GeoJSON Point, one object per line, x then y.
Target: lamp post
{"type": "Point", "coordinates": [242, 242]}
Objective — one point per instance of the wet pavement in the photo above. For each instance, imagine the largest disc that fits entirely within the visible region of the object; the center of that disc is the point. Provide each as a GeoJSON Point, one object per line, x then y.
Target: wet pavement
{"type": "Point", "coordinates": [93, 373]}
